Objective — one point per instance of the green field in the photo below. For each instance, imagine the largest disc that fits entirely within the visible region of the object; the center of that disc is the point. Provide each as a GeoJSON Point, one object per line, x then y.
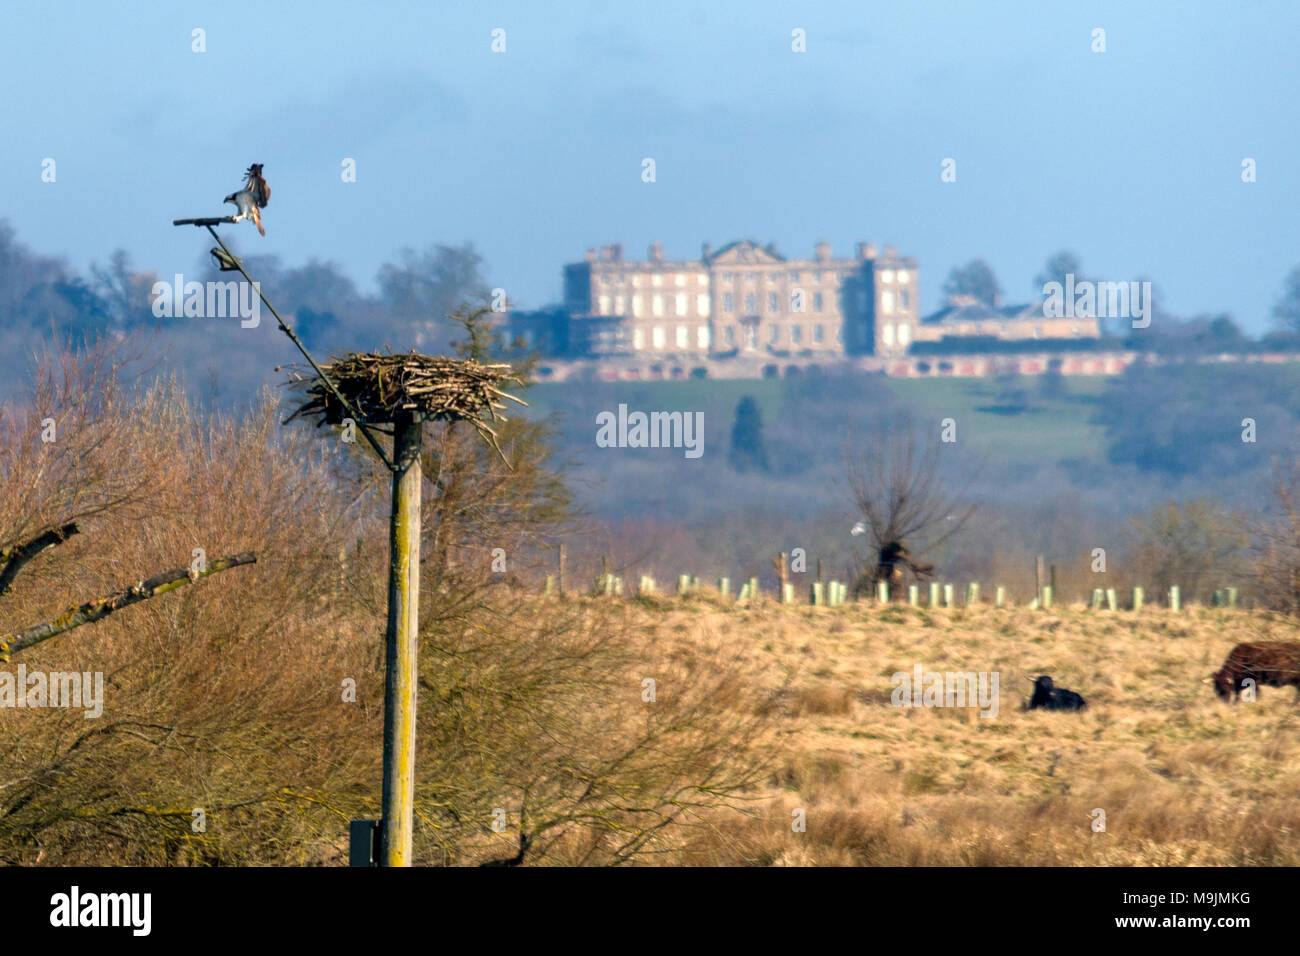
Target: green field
{"type": "Point", "coordinates": [1052, 428]}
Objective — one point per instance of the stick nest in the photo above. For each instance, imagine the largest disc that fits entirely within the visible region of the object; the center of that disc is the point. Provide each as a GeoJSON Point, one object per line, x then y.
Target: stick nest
{"type": "Point", "coordinates": [386, 388]}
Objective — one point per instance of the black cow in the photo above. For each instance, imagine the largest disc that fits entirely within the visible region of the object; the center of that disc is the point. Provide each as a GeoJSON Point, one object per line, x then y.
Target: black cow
{"type": "Point", "coordinates": [1050, 697]}
{"type": "Point", "coordinates": [1276, 663]}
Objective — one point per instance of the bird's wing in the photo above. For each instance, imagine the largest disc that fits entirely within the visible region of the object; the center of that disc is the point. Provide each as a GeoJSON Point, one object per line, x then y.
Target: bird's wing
{"type": "Point", "coordinates": [260, 190]}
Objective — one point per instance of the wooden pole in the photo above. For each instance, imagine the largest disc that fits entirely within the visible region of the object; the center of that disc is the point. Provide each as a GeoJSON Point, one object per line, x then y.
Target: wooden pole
{"type": "Point", "coordinates": [402, 646]}
{"type": "Point", "coordinates": [561, 582]}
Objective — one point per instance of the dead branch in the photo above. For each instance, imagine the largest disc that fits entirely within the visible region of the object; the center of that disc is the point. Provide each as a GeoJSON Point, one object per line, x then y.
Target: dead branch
{"type": "Point", "coordinates": [13, 559]}
{"type": "Point", "coordinates": [93, 611]}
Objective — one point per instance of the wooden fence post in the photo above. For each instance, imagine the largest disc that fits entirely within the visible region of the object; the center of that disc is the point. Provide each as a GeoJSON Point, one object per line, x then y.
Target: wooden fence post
{"type": "Point", "coordinates": [1175, 598]}
{"type": "Point", "coordinates": [782, 572]}
{"type": "Point", "coordinates": [913, 594]}
{"type": "Point", "coordinates": [1139, 594]}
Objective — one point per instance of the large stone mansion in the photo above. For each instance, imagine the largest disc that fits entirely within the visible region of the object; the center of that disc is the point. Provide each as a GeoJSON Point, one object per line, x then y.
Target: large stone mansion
{"type": "Point", "coordinates": [746, 300]}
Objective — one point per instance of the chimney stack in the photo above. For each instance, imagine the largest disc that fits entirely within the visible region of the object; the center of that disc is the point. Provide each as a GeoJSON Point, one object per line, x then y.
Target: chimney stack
{"type": "Point", "coordinates": [823, 251]}
{"type": "Point", "coordinates": [866, 251]}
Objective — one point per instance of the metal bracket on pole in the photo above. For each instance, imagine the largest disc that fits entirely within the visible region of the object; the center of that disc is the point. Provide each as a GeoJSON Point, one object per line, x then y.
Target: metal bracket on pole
{"type": "Point", "coordinates": [365, 839]}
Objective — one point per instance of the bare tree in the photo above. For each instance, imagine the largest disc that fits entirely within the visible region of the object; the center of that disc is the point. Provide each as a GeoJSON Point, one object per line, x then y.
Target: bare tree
{"type": "Point", "coordinates": [1277, 540]}
{"type": "Point", "coordinates": [905, 507]}
{"type": "Point", "coordinates": [1197, 545]}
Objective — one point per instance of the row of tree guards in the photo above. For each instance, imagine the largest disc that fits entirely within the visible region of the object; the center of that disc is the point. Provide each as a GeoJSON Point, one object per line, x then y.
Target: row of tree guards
{"type": "Point", "coordinates": [835, 593]}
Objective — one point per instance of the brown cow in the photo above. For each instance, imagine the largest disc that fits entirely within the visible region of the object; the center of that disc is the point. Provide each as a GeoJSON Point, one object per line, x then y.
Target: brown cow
{"type": "Point", "coordinates": [1276, 663]}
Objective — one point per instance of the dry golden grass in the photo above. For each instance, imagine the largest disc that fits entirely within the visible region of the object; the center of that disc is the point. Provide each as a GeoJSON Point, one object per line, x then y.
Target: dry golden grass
{"type": "Point", "coordinates": [1183, 778]}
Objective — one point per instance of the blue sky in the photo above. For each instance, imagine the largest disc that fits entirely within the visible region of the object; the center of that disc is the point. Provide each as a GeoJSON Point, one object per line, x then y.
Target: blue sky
{"type": "Point", "coordinates": [1131, 158]}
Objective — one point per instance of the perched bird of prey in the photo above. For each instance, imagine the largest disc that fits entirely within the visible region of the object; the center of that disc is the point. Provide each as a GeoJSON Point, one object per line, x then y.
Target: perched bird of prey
{"type": "Point", "coordinates": [254, 196]}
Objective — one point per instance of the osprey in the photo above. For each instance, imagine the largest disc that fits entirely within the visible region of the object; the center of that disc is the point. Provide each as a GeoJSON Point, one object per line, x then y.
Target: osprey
{"type": "Point", "coordinates": [254, 196]}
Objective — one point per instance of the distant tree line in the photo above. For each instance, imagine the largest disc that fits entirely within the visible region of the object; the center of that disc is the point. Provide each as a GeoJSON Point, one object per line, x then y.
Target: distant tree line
{"type": "Point", "coordinates": [43, 293]}
{"type": "Point", "coordinates": [1167, 335]}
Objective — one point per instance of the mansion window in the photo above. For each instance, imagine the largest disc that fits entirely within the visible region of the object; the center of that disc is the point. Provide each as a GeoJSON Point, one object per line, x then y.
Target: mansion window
{"type": "Point", "coordinates": [702, 304]}
{"type": "Point", "coordinates": [681, 337]}
{"type": "Point", "coordinates": [638, 338]}
{"type": "Point", "coordinates": [729, 335]}
{"type": "Point", "coordinates": [701, 336]}
{"type": "Point", "coordinates": [818, 336]}
{"type": "Point", "coordinates": [773, 334]}
{"type": "Point", "coordinates": [817, 301]}
{"type": "Point", "coordinates": [658, 305]}
{"type": "Point", "coordinates": [773, 302]}
{"type": "Point", "coordinates": [679, 303]}
{"type": "Point", "coordinates": [728, 302]}
{"type": "Point", "coordinates": [796, 334]}
{"type": "Point", "coordinates": [886, 302]}
{"type": "Point", "coordinates": [657, 336]}
{"type": "Point", "coordinates": [751, 306]}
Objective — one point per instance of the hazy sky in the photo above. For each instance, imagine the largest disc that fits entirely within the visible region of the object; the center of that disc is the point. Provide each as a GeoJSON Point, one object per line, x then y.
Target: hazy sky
{"type": "Point", "coordinates": [1132, 157]}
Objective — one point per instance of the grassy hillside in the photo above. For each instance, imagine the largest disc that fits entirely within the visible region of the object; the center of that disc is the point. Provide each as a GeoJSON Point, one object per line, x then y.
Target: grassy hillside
{"type": "Point", "coordinates": [1051, 429]}
{"type": "Point", "coordinates": [1183, 779]}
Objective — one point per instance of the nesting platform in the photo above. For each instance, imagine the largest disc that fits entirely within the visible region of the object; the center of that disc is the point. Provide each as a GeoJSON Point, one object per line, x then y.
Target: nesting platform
{"type": "Point", "coordinates": [386, 389]}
